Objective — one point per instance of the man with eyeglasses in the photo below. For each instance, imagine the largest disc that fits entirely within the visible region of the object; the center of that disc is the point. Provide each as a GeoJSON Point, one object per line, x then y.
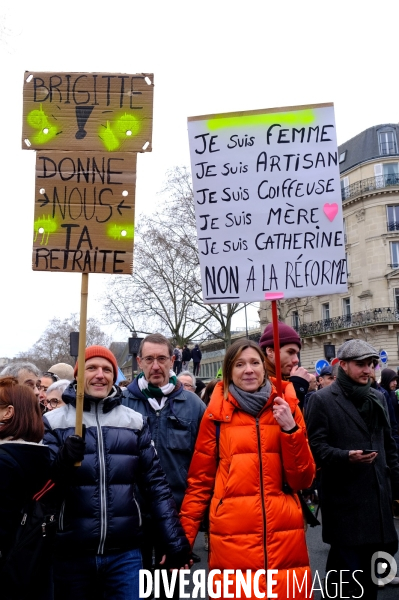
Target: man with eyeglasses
{"type": "Point", "coordinates": [188, 381]}
{"type": "Point", "coordinates": [27, 374]}
{"type": "Point", "coordinates": [174, 414]}
{"type": "Point", "coordinates": [350, 437]}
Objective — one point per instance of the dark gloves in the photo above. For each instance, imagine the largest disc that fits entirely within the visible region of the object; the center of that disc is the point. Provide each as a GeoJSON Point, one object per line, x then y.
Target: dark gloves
{"type": "Point", "coordinates": [71, 452]}
{"type": "Point", "coordinates": [178, 560]}
{"type": "Point", "coordinates": [73, 449]}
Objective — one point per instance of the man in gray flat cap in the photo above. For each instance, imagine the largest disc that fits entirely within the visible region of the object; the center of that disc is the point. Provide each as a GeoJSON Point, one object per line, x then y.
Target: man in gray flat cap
{"type": "Point", "coordinates": [351, 441]}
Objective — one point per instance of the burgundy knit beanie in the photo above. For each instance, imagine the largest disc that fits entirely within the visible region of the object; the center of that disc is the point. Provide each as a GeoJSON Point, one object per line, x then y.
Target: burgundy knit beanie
{"type": "Point", "coordinates": [102, 352]}
{"type": "Point", "coordinates": [286, 334]}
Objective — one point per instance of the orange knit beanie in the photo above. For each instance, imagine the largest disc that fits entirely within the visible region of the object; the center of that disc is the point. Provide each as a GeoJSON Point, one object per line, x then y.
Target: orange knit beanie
{"type": "Point", "coordinates": [103, 352]}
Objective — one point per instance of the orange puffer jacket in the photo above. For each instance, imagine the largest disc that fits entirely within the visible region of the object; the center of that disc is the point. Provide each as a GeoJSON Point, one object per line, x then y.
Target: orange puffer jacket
{"type": "Point", "coordinates": [254, 524]}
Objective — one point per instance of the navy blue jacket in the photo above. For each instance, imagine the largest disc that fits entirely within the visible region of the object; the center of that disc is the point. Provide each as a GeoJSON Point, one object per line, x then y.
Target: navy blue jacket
{"type": "Point", "coordinates": [196, 354]}
{"type": "Point", "coordinates": [174, 430]}
{"type": "Point", "coordinates": [100, 512]}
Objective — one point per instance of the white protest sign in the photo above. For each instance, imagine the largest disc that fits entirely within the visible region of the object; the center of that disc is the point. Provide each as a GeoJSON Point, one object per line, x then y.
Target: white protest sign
{"type": "Point", "coordinates": [268, 203]}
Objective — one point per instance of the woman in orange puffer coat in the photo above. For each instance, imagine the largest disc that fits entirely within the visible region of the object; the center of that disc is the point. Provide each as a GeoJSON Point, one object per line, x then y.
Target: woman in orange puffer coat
{"type": "Point", "coordinates": [250, 475]}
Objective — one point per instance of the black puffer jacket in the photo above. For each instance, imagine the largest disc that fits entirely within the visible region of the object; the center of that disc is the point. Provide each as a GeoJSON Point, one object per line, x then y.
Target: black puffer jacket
{"type": "Point", "coordinates": [99, 512]}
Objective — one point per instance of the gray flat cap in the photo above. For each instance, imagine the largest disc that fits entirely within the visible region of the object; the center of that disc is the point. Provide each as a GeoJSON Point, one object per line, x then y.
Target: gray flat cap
{"type": "Point", "coordinates": [356, 350]}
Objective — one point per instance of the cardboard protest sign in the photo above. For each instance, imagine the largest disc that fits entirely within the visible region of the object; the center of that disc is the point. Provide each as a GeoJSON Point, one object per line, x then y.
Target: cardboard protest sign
{"type": "Point", "coordinates": [268, 203]}
{"type": "Point", "coordinates": [88, 111]}
{"type": "Point", "coordinates": [84, 212]}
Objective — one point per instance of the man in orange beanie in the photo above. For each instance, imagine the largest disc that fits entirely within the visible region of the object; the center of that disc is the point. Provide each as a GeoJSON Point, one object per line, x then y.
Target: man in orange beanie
{"type": "Point", "coordinates": [98, 541]}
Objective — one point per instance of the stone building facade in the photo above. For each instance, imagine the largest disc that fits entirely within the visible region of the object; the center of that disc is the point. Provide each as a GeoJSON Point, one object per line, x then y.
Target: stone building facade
{"type": "Point", "coordinates": [369, 167]}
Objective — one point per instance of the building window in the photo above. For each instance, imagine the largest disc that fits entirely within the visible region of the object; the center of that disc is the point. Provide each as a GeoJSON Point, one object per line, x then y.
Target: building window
{"type": "Point", "coordinates": [325, 311]}
{"type": "Point", "coordinates": [342, 157]}
{"type": "Point", "coordinates": [391, 173]}
{"type": "Point", "coordinates": [345, 192]}
{"type": "Point", "coordinates": [396, 299]}
{"type": "Point", "coordinates": [387, 142]}
{"type": "Point", "coordinates": [346, 308]}
{"type": "Point", "coordinates": [394, 255]}
{"type": "Point", "coordinates": [295, 320]}
{"type": "Point", "coordinates": [393, 218]}
{"type": "Point", "coordinates": [329, 351]}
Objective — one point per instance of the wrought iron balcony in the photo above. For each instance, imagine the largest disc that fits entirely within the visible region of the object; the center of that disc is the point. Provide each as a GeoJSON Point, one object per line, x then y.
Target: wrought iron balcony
{"type": "Point", "coordinates": [364, 318]}
{"type": "Point", "coordinates": [369, 185]}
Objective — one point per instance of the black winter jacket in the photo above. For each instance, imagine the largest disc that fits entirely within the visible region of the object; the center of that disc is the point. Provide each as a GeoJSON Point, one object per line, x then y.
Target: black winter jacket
{"type": "Point", "coordinates": [196, 354]}
{"type": "Point", "coordinates": [24, 469]}
{"type": "Point", "coordinates": [357, 498]}
{"type": "Point", "coordinates": [174, 430]}
{"type": "Point", "coordinates": [186, 355]}
{"type": "Point", "coordinates": [100, 512]}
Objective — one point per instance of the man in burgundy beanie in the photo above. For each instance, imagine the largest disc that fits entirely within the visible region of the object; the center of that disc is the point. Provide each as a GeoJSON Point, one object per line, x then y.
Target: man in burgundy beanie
{"type": "Point", "coordinates": [290, 345]}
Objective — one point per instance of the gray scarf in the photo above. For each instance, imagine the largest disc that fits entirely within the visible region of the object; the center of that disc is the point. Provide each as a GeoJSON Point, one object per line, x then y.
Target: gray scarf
{"type": "Point", "coordinates": [251, 402]}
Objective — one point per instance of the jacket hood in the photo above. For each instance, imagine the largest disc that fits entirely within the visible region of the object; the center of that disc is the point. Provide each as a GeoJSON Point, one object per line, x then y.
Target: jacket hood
{"type": "Point", "coordinates": [388, 375]}
{"type": "Point", "coordinates": [110, 402]}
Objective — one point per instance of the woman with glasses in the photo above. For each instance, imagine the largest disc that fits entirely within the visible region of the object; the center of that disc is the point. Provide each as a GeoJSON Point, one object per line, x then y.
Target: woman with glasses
{"type": "Point", "coordinates": [54, 394]}
{"type": "Point", "coordinates": [250, 459]}
{"type": "Point", "coordinates": [24, 469]}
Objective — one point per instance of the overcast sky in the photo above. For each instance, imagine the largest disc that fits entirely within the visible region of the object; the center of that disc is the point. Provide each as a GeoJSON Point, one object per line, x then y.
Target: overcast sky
{"type": "Point", "coordinates": [207, 57]}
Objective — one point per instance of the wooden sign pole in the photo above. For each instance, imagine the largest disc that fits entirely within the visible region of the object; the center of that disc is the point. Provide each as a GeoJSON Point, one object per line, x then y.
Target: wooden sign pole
{"type": "Point", "coordinates": [273, 297]}
{"type": "Point", "coordinates": [81, 356]}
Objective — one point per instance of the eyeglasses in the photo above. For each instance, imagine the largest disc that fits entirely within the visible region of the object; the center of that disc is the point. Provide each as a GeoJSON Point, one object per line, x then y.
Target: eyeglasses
{"type": "Point", "coordinates": [161, 360]}
{"type": "Point", "coordinates": [54, 402]}
{"type": "Point", "coordinates": [187, 386]}
{"type": "Point", "coordinates": [32, 384]}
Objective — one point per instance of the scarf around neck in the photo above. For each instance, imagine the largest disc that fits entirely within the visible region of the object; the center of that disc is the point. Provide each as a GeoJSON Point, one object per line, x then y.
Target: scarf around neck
{"type": "Point", "coordinates": [251, 402]}
{"type": "Point", "coordinates": [157, 396]}
{"type": "Point", "coordinates": [371, 411]}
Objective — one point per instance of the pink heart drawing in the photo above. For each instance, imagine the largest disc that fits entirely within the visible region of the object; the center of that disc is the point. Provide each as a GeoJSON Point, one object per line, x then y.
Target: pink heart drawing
{"type": "Point", "coordinates": [330, 210]}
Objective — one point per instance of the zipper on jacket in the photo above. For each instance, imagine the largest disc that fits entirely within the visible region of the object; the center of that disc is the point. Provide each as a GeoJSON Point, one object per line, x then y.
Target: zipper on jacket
{"type": "Point", "coordinates": [262, 492]}
{"type": "Point", "coordinates": [219, 505]}
{"type": "Point", "coordinates": [103, 496]}
{"type": "Point", "coordinates": [139, 511]}
{"type": "Point", "coordinates": [61, 517]}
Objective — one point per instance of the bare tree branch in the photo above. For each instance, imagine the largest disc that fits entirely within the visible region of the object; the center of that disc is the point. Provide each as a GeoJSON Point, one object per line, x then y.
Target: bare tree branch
{"type": "Point", "coordinates": [164, 293]}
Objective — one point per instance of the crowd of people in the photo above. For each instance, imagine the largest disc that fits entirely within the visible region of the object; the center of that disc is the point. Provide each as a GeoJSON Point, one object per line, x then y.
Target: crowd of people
{"type": "Point", "coordinates": [184, 355]}
{"type": "Point", "coordinates": [161, 459]}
